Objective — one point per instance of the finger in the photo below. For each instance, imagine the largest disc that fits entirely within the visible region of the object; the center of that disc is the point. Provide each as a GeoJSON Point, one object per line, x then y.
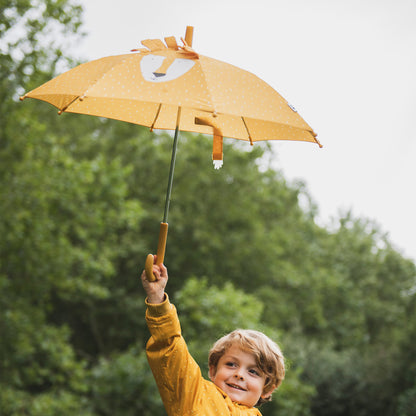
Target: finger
{"type": "Point", "coordinates": [156, 272]}
{"type": "Point", "coordinates": [163, 270]}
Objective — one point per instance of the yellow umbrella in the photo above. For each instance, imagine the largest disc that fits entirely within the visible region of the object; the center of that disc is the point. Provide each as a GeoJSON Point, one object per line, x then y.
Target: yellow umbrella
{"type": "Point", "coordinates": [167, 86]}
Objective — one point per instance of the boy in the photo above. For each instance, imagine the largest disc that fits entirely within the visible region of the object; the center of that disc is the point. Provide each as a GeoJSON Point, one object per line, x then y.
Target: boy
{"type": "Point", "coordinates": [245, 367]}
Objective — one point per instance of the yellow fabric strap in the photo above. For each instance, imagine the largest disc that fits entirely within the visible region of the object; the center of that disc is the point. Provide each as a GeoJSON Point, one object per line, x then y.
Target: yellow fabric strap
{"type": "Point", "coordinates": [217, 153]}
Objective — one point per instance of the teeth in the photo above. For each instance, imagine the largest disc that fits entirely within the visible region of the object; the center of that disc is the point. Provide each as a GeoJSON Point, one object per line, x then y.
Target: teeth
{"type": "Point", "coordinates": [236, 387]}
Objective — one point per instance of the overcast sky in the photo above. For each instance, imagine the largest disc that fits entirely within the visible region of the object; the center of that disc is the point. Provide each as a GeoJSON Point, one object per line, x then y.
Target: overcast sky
{"type": "Point", "coordinates": [348, 66]}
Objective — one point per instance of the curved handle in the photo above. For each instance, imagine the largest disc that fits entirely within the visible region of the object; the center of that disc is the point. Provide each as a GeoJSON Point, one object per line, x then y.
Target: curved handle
{"type": "Point", "coordinates": [149, 268]}
{"type": "Point", "coordinates": [161, 248]}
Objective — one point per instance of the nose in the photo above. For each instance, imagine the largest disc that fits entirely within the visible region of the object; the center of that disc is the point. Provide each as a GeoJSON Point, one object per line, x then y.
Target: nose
{"type": "Point", "coordinates": [238, 375]}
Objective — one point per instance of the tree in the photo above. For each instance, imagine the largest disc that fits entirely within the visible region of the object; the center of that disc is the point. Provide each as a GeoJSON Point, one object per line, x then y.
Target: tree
{"type": "Point", "coordinates": [366, 313]}
{"type": "Point", "coordinates": [80, 206]}
{"type": "Point", "coordinates": [45, 202]}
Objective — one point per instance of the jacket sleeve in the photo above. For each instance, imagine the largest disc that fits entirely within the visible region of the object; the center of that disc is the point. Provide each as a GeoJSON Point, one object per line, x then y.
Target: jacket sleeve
{"type": "Point", "coordinates": [177, 375]}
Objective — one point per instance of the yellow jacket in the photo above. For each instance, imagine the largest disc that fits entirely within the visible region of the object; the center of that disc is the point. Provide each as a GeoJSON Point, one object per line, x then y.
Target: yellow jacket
{"type": "Point", "coordinates": [183, 390]}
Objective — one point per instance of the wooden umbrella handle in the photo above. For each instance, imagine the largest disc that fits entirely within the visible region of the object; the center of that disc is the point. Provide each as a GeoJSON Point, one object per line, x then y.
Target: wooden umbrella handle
{"type": "Point", "coordinates": [161, 248]}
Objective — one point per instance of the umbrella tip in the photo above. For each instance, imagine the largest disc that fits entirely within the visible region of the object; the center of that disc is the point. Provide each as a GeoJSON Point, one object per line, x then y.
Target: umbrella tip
{"type": "Point", "coordinates": [189, 34]}
{"type": "Point", "coordinates": [316, 140]}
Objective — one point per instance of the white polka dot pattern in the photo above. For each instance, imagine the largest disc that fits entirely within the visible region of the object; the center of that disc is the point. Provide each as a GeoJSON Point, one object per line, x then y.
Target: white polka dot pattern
{"type": "Point", "coordinates": [149, 93]}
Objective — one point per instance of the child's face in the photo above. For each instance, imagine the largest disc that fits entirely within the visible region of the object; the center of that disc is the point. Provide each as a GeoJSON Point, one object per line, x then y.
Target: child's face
{"type": "Point", "coordinates": [238, 375]}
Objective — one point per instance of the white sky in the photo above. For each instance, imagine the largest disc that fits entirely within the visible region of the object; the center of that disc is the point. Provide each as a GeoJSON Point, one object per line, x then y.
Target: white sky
{"type": "Point", "coordinates": [348, 66]}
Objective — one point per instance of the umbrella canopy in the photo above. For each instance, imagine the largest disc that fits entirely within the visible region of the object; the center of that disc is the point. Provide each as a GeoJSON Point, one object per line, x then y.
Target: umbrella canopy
{"type": "Point", "coordinates": [150, 85]}
{"type": "Point", "coordinates": [167, 86]}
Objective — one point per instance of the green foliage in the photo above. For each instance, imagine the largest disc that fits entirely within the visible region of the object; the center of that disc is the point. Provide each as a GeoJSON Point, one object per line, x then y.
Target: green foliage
{"type": "Point", "coordinates": [80, 205]}
{"type": "Point", "coordinates": [407, 403]}
{"type": "Point", "coordinates": [123, 385]}
{"type": "Point", "coordinates": [209, 312]}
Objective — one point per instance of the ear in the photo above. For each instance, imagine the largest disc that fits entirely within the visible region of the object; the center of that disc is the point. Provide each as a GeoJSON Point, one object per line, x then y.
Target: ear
{"type": "Point", "coordinates": [269, 392]}
{"type": "Point", "coordinates": [212, 372]}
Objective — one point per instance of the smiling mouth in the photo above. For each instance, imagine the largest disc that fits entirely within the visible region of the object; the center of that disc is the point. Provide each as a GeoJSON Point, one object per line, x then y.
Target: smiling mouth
{"type": "Point", "coordinates": [235, 386]}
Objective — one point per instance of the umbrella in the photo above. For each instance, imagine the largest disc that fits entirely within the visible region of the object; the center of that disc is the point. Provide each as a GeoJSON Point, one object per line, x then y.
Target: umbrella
{"type": "Point", "coordinates": [169, 86]}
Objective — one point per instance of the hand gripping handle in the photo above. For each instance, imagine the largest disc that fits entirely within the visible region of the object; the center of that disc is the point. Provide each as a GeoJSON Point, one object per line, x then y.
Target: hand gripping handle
{"type": "Point", "coordinates": [161, 248]}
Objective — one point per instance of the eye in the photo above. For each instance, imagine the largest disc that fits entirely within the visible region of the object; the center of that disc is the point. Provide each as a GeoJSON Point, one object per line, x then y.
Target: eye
{"type": "Point", "coordinates": [230, 364]}
{"type": "Point", "coordinates": [254, 371]}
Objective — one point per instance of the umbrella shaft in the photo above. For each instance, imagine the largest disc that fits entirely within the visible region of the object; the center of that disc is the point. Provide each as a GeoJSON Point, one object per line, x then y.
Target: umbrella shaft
{"type": "Point", "coordinates": [170, 180]}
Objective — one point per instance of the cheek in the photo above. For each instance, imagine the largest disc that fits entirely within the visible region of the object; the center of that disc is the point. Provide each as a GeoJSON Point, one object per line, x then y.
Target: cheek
{"type": "Point", "coordinates": [258, 385]}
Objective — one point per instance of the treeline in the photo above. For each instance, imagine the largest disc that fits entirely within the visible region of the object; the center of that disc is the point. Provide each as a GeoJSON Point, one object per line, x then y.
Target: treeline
{"type": "Point", "coordinates": [81, 200]}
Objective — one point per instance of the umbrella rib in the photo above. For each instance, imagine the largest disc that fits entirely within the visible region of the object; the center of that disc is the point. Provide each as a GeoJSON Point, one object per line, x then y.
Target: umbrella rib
{"type": "Point", "coordinates": [157, 115]}
{"type": "Point", "coordinates": [69, 104]}
{"type": "Point", "coordinates": [248, 133]}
